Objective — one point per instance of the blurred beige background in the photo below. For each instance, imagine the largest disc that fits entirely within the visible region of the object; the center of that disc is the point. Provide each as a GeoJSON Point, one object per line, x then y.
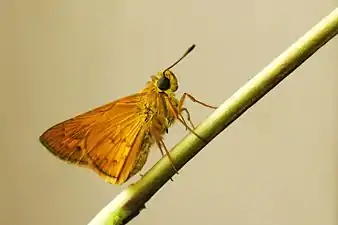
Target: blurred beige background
{"type": "Point", "coordinates": [277, 164]}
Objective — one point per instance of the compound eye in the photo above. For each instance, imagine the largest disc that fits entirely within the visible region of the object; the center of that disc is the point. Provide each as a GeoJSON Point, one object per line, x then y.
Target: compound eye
{"type": "Point", "coordinates": [163, 83]}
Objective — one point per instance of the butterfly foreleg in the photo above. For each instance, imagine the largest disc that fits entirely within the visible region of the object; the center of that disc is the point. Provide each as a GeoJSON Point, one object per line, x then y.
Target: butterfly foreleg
{"type": "Point", "coordinates": [178, 115]}
{"type": "Point", "coordinates": [181, 109]}
{"type": "Point", "coordinates": [192, 98]}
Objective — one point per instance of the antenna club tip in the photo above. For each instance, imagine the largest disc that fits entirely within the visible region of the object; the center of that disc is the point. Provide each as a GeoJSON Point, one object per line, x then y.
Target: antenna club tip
{"type": "Point", "coordinates": [184, 55]}
{"type": "Point", "coordinates": [192, 47]}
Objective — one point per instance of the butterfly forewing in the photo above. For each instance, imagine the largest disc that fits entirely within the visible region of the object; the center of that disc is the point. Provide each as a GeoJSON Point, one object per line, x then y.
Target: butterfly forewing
{"type": "Point", "coordinates": [107, 139]}
{"type": "Point", "coordinates": [114, 150]}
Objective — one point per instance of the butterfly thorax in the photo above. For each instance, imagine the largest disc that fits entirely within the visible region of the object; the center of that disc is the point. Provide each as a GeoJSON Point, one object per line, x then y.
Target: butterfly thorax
{"type": "Point", "coordinates": [160, 101]}
{"type": "Point", "coordinates": [157, 108]}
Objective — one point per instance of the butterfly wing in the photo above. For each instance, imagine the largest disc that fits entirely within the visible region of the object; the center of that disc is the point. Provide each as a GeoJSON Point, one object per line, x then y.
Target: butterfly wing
{"type": "Point", "coordinates": [114, 148]}
{"type": "Point", "coordinates": [107, 139]}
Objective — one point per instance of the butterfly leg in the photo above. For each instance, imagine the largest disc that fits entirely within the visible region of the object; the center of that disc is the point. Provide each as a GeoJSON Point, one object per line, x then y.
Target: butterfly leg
{"type": "Point", "coordinates": [188, 117]}
{"type": "Point", "coordinates": [161, 144]}
{"type": "Point", "coordinates": [163, 148]}
{"type": "Point", "coordinates": [192, 98]}
{"type": "Point", "coordinates": [178, 116]}
{"type": "Point", "coordinates": [181, 109]}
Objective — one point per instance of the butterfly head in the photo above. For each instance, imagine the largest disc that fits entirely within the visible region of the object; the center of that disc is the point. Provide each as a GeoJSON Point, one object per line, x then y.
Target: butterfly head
{"type": "Point", "coordinates": [166, 81]}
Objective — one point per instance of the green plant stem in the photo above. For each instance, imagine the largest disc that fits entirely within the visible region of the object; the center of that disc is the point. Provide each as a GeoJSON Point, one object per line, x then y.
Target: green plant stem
{"type": "Point", "coordinates": [129, 202]}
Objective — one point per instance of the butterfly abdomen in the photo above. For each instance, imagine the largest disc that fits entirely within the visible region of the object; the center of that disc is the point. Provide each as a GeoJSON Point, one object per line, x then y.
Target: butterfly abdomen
{"type": "Point", "coordinates": [148, 141]}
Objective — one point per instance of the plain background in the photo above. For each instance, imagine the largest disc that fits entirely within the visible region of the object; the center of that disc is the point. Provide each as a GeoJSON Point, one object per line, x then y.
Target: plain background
{"type": "Point", "coordinates": [277, 164]}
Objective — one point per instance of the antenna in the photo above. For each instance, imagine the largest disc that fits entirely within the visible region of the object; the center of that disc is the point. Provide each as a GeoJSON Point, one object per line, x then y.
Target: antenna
{"type": "Point", "coordinates": [184, 55]}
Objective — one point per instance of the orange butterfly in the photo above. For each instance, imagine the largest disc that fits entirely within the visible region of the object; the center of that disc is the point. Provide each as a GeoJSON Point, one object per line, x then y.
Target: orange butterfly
{"type": "Point", "coordinates": [114, 139]}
